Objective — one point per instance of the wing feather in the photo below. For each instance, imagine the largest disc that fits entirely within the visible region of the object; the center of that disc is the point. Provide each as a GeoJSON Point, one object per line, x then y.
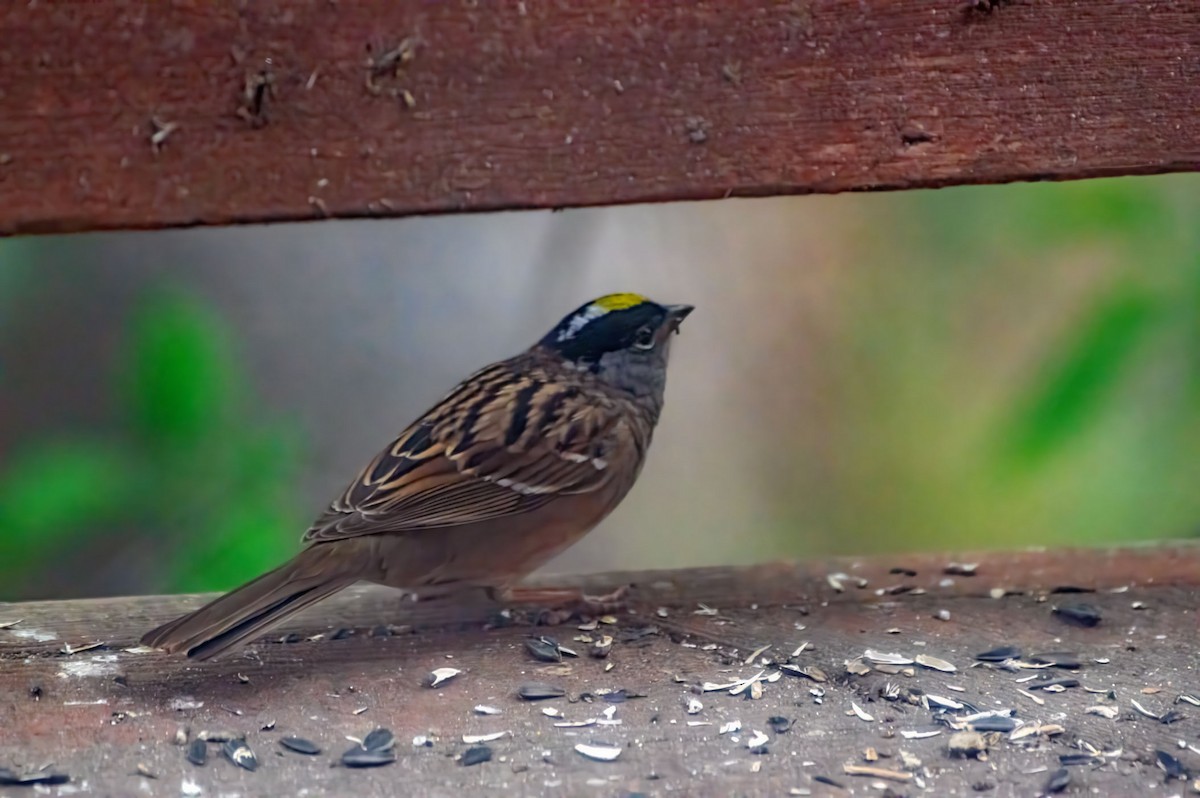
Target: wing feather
{"type": "Point", "coordinates": [505, 442]}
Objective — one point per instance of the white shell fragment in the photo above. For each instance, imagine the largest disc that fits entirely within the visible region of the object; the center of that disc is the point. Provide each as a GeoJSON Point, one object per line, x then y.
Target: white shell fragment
{"type": "Point", "coordinates": [484, 709]}
{"type": "Point", "coordinates": [439, 676]}
{"type": "Point", "coordinates": [731, 726]}
{"type": "Point", "coordinates": [861, 713]}
{"type": "Point", "coordinates": [757, 740]}
{"type": "Point", "coordinates": [471, 739]}
{"type": "Point", "coordinates": [909, 734]}
{"type": "Point", "coordinates": [886, 658]}
{"type": "Point", "coordinates": [601, 753]}
{"type": "Point", "coordinates": [935, 663]}
{"type": "Point", "coordinates": [694, 706]}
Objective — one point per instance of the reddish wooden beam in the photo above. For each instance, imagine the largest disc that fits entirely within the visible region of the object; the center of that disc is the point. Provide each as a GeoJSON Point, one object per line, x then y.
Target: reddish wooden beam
{"type": "Point", "coordinates": [119, 115]}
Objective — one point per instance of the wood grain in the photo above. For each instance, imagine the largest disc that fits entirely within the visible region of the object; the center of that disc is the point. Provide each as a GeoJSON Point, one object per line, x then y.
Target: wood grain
{"type": "Point", "coordinates": [117, 115]}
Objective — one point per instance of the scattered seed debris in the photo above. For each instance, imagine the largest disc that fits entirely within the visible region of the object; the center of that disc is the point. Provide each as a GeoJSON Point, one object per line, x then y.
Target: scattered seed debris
{"type": "Point", "coordinates": [484, 709]}
{"type": "Point", "coordinates": [909, 734]}
{"type": "Point", "coordinates": [967, 744]}
{"type": "Point", "coordinates": [197, 752]}
{"type": "Point", "coordinates": [600, 753]}
{"type": "Point", "coordinates": [475, 755]}
{"type": "Point", "coordinates": [807, 671]}
{"type": "Point", "coordinates": [878, 773]}
{"type": "Point", "coordinates": [961, 569]}
{"type": "Point", "coordinates": [1035, 699]}
{"type": "Point", "coordinates": [779, 724]}
{"type": "Point", "coordinates": [1055, 685]}
{"type": "Point", "coordinates": [300, 745]}
{"type": "Point", "coordinates": [1170, 765]}
{"type": "Point", "coordinates": [601, 648]}
{"type": "Point", "coordinates": [537, 691]}
{"type": "Point", "coordinates": [856, 667]}
{"type": "Point", "coordinates": [237, 752]}
{"type": "Point", "coordinates": [439, 676]}
{"type": "Point", "coordinates": [10, 624]}
{"type": "Point", "coordinates": [1059, 780]}
{"type": "Point", "coordinates": [1104, 710]}
{"type": "Point", "coordinates": [703, 610]}
{"type": "Point", "coordinates": [1085, 615]}
{"type": "Point", "coordinates": [861, 713]}
{"type": "Point", "coordinates": [360, 757]}
{"type": "Point", "coordinates": [885, 658]}
{"type": "Point", "coordinates": [1141, 710]}
{"type": "Point", "coordinates": [219, 736]}
{"type": "Point", "coordinates": [694, 706]}
{"type": "Point", "coordinates": [10, 778]}
{"type": "Point", "coordinates": [471, 739]}
{"type": "Point", "coordinates": [757, 742]}
{"type": "Point", "coordinates": [935, 663]}
{"type": "Point", "coordinates": [730, 727]}
{"type": "Point", "coordinates": [379, 740]}
{"type": "Point", "coordinates": [993, 723]}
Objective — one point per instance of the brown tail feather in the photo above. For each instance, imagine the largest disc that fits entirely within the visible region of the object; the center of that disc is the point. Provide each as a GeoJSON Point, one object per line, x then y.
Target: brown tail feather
{"type": "Point", "coordinates": [248, 610]}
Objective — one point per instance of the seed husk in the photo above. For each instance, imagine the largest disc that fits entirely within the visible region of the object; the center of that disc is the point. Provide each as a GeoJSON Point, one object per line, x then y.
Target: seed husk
{"type": "Point", "coordinates": [1080, 614]}
{"type": "Point", "coordinates": [300, 745]}
{"type": "Point", "coordinates": [10, 778]}
{"type": "Point", "coordinates": [379, 740]}
{"type": "Point", "coordinates": [537, 691]}
{"type": "Point", "coordinates": [237, 752]}
{"type": "Point", "coordinates": [999, 654]}
{"type": "Point", "coordinates": [197, 752]}
{"type": "Point", "coordinates": [359, 757]}
{"type": "Point", "coordinates": [475, 755]}
{"type": "Point", "coordinates": [1058, 781]}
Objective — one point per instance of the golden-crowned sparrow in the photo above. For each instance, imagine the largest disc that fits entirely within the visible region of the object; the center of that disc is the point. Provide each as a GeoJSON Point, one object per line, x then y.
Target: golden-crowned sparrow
{"type": "Point", "coordinates": [511, 467]}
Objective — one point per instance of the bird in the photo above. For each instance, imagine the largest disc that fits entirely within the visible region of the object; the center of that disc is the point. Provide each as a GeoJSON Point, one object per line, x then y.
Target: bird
{"type": "Point", "coordinates": [512, 466]}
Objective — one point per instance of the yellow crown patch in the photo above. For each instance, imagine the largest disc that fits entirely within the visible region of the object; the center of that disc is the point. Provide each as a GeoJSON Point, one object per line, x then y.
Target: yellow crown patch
{"type": "Point", "coordinates": [619, 301]}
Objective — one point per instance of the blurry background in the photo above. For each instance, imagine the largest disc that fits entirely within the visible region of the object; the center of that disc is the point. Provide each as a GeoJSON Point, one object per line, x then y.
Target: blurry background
{"type": "Point", "coordinates": [966, 368]}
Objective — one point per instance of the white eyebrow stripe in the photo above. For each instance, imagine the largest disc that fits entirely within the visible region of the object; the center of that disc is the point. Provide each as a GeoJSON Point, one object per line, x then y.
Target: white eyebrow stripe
{"type": "Point", "coordinates": [580, 321]}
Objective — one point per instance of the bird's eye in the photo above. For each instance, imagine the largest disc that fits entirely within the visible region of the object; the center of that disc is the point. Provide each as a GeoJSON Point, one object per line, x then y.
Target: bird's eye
{"type": "Point", "coordinates": [644, 339]}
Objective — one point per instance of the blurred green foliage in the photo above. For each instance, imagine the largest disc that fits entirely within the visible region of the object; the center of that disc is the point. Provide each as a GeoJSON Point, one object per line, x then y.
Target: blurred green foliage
{"type": "Point", "coordinates": [1025, 371]}
{"type": "Point", "coordinates": [190, 473]}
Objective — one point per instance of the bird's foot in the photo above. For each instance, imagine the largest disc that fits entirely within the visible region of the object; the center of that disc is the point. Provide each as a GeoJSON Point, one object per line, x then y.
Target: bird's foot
{"type": "Point", "coordinates": [552, 606]}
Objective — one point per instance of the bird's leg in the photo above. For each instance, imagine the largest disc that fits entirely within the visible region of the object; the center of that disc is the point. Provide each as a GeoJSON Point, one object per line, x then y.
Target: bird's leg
{"type": "Point", "coordinates": [560, 604]}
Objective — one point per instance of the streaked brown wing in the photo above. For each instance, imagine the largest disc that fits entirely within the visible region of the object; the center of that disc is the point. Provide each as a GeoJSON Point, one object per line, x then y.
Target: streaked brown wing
{"type": "Point", "coordinates": [498, 445]}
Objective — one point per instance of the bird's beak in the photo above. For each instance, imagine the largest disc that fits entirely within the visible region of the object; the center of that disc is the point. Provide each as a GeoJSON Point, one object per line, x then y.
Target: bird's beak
{"type": "Point", "coordinates": [676, 314]}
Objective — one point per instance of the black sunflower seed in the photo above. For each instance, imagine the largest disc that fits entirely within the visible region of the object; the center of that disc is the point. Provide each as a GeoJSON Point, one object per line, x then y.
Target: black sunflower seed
{"type": "Point", "coordinates": [379, 740]}
{"type": "Point", "coordinates": [197, 752]}
{"type": "Point", "coordinates": [300, 745]}
{"type": "Point", "coordinates": [536, 691]}
{"type": "Point", "coordinates": [543, 649]}
{"type": "Point", "coordinates": [237, 752]}
{"type": "Point", "coordinates": [1064, 682]}
{"type": "Point", "coordinates": [1171, 716]}
{"type": "Point", "coordinates": [1059, 659]}
{"type": "Point", "coordinates": [1080, 614]}
{"type": "Point", "coordinates": [359, 757]}
{"type": "Point", "coordinates": [779, 724]}
{"type": "Point", "coordinates": [475, 755]}
{"type": "Point", "coordinates": [1171, 765]}
{"type": "Point", "coordinates": [9, 778]}
{"type": "Point", "coordinates": [1070, 760]}
{"type": "Point", "coordinates": [999, 654]}
{"type": "Point", "coordinates": [1058, 781]}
